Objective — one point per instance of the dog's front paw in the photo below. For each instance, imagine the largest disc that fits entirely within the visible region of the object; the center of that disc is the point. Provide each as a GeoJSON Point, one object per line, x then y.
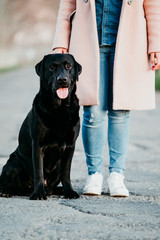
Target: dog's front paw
{"type": "Point", "coordinates": [39, 194]}
{"type": "Point", "coordinates": [5, 194]}
{"type": "Point", "coordinates": [71, 194]}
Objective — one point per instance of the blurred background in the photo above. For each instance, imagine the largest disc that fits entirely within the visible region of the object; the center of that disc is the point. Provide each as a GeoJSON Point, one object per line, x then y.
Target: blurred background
{"type": "Point", "coordinates": [27, 31]}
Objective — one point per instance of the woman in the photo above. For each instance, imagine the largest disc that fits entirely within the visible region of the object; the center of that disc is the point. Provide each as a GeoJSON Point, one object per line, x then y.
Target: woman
{"type": "Point", "coordinates": [118, 45]}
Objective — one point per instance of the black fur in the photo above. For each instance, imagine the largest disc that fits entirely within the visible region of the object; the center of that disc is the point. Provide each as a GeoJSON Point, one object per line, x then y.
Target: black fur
{"type": "Point", "coordinates": [47, 136]}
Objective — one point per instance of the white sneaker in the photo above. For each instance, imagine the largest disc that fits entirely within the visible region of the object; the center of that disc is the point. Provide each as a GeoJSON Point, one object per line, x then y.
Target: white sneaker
{"type": "Point", "coordinates": [116, 185]}
{"type": "Point", "coordinates": [94, 184]}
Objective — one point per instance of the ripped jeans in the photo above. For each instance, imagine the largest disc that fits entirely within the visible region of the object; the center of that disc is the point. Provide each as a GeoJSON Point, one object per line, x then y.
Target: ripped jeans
{"type": "Point", "coordinates": [94, 124]}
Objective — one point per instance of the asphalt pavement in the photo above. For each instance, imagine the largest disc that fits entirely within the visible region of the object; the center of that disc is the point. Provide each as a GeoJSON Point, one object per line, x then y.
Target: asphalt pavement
{"type": "Point", "coordinates": [102, 217]}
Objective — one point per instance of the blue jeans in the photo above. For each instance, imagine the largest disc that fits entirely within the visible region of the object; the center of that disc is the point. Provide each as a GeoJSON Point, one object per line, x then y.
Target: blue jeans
{"type": "Point", "coordinates": [94, 123]}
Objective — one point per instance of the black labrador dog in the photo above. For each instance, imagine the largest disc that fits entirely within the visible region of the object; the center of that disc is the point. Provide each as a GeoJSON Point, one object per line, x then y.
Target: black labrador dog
{"type": "Point", "coordinates": [47, 136]}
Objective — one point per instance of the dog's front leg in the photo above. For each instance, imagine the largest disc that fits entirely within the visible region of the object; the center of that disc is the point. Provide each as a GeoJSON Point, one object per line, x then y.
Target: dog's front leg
{"type": "Point", "coordinates": [66, 181]}
{"type": "Point", "coordinates": [37, 159]}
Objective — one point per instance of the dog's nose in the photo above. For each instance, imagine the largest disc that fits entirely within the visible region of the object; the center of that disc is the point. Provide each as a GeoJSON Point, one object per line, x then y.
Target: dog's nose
{"type": "Point", "coordinates": [62, 79]}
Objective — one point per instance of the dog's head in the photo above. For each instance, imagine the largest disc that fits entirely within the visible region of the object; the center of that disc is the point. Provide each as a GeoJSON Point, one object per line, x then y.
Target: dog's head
{"type": "Point", "coordinates": [58, 73]}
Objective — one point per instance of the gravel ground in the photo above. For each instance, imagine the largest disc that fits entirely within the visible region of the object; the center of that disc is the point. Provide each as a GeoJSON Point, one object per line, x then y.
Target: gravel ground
{"type": "Point", "coordinates": [103, 217]}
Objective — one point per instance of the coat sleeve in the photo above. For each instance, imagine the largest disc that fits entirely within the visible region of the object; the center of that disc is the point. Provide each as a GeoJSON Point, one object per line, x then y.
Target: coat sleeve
{"type": "Point", "coordinates": [152, 14]}
{"type": "Point", "coordinates": [63, 29]}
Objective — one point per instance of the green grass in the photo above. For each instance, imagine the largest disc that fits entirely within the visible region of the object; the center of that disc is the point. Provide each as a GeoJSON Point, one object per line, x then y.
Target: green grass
{"type": "Point", "coordinates": [158, 80]}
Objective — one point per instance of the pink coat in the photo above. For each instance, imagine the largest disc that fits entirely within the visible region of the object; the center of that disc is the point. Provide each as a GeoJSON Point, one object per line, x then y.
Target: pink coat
{"type": "Point", "coordinates": [138, 35]}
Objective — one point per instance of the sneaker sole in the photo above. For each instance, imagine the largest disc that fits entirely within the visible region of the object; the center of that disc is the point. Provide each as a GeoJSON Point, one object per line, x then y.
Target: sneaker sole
{"type": "Point", "coordinates": [119, 195]}
{"type": "Point", "coordinates": [92, 194]}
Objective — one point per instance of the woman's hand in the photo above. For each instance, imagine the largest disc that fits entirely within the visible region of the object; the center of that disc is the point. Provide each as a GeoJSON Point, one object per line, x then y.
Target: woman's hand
{"type": "Point", "coordinates": [155, 60]}
{"type": "Point", "coordinates": [60, 50]}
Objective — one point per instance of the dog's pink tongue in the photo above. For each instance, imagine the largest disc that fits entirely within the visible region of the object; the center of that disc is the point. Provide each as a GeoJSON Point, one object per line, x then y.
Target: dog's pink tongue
{"type": "Point", "coordinates": [62, 92]}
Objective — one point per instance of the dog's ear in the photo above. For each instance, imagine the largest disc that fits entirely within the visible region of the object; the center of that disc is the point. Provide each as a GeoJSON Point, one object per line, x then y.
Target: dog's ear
{"type": "Point", "coordinates": [78, 69]}
{"type": "Point", "coordinates": [39, 67]}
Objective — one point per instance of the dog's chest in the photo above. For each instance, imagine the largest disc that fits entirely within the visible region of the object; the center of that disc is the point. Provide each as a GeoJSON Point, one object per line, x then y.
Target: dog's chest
{"type": "Point", "coordinates": [60, 133]}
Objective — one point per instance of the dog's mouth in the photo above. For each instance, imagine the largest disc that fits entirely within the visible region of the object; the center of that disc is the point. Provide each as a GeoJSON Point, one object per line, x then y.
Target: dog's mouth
{"type": "Point", "coordinates": [62, 92]}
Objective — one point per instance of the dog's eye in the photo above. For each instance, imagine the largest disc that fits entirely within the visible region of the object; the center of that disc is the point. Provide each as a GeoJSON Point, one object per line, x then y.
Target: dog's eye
{"type": "Point", "coordinates": [68, 66]}
{"type": "Point", "coordinates": [52, 68]}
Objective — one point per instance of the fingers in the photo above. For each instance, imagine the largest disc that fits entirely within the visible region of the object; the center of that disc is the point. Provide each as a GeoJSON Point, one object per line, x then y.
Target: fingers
{"type": "Point", "coordinates": [152, 56]}
{"type": "Point", "coordinates": [64, 50]}
{"type": "Point", "coordinates": [155, 60]}
{"type": "Point", "coordinates": [57, 50]}
{"type": "Point", "coordinates": [60, 50]}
